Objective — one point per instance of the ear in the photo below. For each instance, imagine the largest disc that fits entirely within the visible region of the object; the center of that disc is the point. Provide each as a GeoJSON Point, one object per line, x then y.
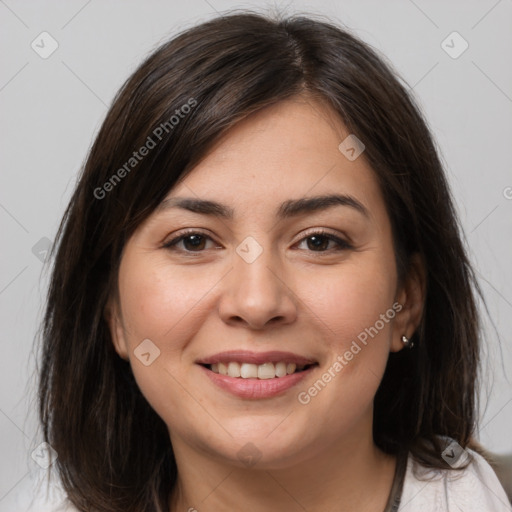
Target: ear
{"type": "Point", "coordinates": [112, 315]}
{"type": "Point", "coordinates": [411, 296]}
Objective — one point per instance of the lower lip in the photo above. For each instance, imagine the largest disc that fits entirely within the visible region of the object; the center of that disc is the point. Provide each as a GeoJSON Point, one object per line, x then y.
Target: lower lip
{"type": "Point", "coordinates": [256, 388]}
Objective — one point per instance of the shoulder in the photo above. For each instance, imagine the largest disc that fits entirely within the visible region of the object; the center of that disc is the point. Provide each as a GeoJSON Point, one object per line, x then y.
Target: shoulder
{"type": "Point", "coordinates": [473, 489]}
{"type": "Point", "coordinates": [37, 493]}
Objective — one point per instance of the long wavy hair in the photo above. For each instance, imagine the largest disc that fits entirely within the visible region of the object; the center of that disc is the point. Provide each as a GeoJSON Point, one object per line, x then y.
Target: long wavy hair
{"type": "Point", "coordinates": [114, 451]}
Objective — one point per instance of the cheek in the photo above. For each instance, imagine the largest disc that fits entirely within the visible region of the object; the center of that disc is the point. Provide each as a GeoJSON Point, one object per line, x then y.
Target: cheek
{"type": "Point", "coordinates": [166, 307]}
{"type": "Point", "coordinates": [351, 306]}
{"type": "Point", "coordinates": [160, 302]}
{"type": "Point", "coordinates": [351, 299]}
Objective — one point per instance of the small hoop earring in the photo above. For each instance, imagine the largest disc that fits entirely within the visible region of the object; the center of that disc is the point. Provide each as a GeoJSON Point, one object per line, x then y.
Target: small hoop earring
{"type": "Point", "coordinates": [407, 342]}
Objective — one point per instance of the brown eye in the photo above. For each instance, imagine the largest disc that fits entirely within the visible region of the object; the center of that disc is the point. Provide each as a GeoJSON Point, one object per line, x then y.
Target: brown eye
{"type": "Point", "coordinates": [192, 242]}
{"type": "Point", "coordinates": [319, 242]}
{"type": "Point", "coordinates": [316, 242]}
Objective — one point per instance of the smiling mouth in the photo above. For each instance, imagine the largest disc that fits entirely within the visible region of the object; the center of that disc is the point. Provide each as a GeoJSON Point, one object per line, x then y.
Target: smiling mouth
{"type": "Point", "coordinates": [257, 371]}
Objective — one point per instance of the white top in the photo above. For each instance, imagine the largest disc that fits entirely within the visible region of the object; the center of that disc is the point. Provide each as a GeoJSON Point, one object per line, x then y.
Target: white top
{"type": "Point", "coordinates": [474, 489]}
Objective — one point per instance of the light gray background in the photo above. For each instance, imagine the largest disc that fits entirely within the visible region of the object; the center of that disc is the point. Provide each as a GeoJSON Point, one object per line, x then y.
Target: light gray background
{"type": "Point", "coordinates": [52, 109]}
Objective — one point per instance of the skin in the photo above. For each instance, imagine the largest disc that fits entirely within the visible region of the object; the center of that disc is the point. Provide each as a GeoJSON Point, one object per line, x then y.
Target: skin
{"type": "Point", "coordinates": [293, 297]}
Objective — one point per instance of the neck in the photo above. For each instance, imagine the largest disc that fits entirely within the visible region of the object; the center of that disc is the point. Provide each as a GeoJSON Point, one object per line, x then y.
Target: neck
{"type": "Point", "coordinates": [338, 478]}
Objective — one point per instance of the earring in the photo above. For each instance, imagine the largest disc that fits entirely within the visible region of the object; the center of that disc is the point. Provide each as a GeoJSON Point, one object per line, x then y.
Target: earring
{"type": "Point", "coordinates": [407, 342]}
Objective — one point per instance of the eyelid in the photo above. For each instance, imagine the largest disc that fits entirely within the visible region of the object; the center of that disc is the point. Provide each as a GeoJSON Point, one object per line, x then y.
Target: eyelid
{"type": "Point", "coordinates": [327, 233]}
{"type": "Point", "coordinates": [343, 242]}
{"type": "Point", "coordinates": [184, 234]}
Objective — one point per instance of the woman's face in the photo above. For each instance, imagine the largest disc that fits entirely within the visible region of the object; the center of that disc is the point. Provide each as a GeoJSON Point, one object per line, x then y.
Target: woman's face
{"type": "Point", "coordinates": [254, 288]}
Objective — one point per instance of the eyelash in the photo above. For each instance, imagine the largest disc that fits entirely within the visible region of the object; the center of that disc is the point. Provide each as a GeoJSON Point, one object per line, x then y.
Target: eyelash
{"type": "Point", "coordinates": [342, 244]}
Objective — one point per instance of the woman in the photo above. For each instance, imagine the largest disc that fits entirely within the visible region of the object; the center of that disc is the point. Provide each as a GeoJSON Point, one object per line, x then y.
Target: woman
{"type": "Point", "coordinates": [260, 298]}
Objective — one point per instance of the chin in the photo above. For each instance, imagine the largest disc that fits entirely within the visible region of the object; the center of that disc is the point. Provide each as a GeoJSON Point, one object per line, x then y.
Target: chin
{"type": "Point", "coordinates": [261, 451]}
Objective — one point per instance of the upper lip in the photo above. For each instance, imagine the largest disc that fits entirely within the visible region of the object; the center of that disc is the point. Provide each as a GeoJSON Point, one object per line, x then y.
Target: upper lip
{"type": "Point", "coordinates": [246, 356]}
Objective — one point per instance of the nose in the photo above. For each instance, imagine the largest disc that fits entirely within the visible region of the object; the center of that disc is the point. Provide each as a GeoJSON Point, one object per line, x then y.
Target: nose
{"type": "Point", "coordinates": [256, 294]}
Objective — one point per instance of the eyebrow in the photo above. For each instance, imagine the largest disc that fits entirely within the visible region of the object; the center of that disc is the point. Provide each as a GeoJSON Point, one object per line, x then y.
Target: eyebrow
{"type": "Point", "coordinates": [287, 209]}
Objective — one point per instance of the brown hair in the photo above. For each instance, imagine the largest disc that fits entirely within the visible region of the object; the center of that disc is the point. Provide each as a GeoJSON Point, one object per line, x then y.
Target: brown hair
{"type": "Point", "coordinates": [114, 452]}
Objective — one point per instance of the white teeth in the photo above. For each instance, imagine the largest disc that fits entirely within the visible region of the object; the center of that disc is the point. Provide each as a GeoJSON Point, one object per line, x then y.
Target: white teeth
{"type": "Point", "coordinates": [280, 369]}
{"type": "Point", "coordinates": [234, 370]}
{"type": "Point", "coordinates": [248, 371]}
{"type": "Point", "coordinates": [255, 371]}
{"type": "Point", "coordinates": [266, 371]}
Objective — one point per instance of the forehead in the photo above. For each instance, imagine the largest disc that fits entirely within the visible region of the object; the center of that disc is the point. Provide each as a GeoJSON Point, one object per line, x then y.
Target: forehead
{"type": "Point", "coordinates": [286, 151]}
{"type": "Point", "coordinates": [292, 134]}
